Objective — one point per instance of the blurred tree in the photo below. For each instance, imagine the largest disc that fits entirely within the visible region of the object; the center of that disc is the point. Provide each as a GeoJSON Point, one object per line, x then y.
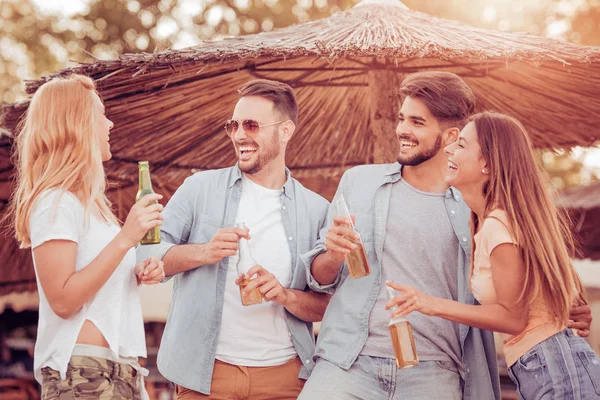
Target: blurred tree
{"type": "Point", "coordinates": [585, 25]}
{"type": "Point", "coordinates": [22, 41]}
{"type": "Point", "coordinates": [35, 43]}
{"type": "Point", "coordinates": [567, 169]}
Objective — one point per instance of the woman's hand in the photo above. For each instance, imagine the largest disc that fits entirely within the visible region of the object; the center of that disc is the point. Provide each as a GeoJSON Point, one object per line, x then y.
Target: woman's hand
{"type": "Point", "coordinates": [150, 271]}
{"type": "Point", "coordinates": [409, 300]}
{"type": "Point", "coordinates": [143, 216]}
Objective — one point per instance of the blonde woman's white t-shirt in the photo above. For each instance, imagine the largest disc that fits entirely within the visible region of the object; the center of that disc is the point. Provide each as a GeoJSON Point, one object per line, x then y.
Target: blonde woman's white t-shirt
{"type": "Point", "coordinates": [115, 309]}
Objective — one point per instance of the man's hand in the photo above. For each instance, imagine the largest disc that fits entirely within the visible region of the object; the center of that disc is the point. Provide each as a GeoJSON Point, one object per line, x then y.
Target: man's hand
{"type": "Point", "coordinates": [581, 319]}
{"type": "Point", "coordinates": [268, 286]}
{"type": "Point", "coordinates": [339, 239]}
{"type": "Point", "coordinates": [223, 244]}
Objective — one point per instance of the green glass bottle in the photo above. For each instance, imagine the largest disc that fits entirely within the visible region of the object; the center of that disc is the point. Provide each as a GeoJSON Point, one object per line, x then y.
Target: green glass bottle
{"type": "Point", "coordinates": [145, 187]}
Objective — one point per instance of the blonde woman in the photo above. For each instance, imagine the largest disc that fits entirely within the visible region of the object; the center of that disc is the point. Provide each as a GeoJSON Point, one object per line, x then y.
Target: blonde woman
{"type": "Point", "coordinates": [90, 330]}
{"type": "Point", "coordinates": [522, 274]}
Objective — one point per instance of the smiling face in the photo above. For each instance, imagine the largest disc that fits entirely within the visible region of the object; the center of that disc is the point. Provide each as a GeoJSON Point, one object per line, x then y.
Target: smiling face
{"type": "Point", "coordinates": [418, 132]}
{"type": "Point", "coordinates": [466, 165]}
{"type": "Point", "coordinates": [256, 150]}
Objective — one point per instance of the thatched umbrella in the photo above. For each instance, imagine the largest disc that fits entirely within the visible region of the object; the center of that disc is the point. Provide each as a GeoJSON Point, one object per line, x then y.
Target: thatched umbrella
{"type": "Point", "coordinates": [169, 107]}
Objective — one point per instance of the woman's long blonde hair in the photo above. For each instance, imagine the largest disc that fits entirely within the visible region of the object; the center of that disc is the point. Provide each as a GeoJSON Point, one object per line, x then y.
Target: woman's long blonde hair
{"type": "Point", "coordinates": [58, 148]}
{"type": "Point", "coordinates": [517, 186]}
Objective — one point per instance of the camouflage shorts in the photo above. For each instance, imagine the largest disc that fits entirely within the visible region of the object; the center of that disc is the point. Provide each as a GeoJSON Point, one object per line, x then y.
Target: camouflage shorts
{"type": "Point", "coordinates": [92, 378]}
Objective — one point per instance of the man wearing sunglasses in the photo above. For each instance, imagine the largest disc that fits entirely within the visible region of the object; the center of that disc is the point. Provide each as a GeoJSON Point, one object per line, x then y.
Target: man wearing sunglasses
{"type": "Point", "coordinates": [213, 346]}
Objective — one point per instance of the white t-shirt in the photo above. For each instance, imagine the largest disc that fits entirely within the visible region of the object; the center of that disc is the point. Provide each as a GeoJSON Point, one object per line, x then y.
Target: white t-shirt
{"type": "Point", "coordinates": [258, 335]}
{"type": "Point", "coordinates": [115, 309]}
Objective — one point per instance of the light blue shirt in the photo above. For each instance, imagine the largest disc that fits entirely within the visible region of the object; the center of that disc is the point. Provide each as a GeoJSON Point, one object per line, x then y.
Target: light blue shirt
{"type": "Point", "coordinates": [205, 203]}
{"type": "Point", "coordinates": [345, 326]}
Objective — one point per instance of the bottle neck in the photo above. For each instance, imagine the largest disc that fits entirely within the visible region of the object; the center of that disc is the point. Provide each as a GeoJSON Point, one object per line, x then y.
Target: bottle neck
{"type": "Point", "coordinates": [391, 293]}
{"type": "Point", "coordinates": [144, 179]}
{"type": "Point", "coordinates": [245, 261]}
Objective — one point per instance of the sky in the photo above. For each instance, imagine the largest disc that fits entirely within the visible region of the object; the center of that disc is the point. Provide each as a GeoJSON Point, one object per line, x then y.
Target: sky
{"type": "Point", "coordinates": [70, 7]}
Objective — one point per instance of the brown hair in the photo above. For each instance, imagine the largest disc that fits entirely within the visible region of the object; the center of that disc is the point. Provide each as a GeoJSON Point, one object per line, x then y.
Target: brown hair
{"type": "Point", "coordinates": [445, 94]}
{"type": "Point", "coordinates": [518, 186]}
{"type": "Point", "coordinates": [281, 94]}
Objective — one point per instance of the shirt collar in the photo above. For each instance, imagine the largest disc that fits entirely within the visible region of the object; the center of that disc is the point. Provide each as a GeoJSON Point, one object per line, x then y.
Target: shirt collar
{"type": "Point", "coordinates": [287, 189]}
{"type": "Point", "coordinates": [395, 174]}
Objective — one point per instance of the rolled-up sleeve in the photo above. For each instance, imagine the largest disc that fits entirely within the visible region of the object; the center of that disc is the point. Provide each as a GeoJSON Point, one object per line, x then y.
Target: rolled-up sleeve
{"type": "Point", "coordinates": [307, 259]}
{"type": "Point", "coordinates": [178, 217]}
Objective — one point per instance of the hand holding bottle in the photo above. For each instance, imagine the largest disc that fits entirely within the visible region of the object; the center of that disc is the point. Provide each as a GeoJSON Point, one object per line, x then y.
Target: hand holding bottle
{"type": "Point", "coordinates": [245, 264]}
{"type": "Point", "coordinates": [338, 240]}
{"type": "Point", "coordinates": [142, 217]}
{"type": "Point", "coordinates": [409, 300]}
{"type": "Point", "coordinates": [267, 284]}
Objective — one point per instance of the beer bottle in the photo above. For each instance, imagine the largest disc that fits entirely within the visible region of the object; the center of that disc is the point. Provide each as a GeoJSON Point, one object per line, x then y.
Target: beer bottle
{"type": "Point", "coordinates": [145, 187]}
{"type": "Point", "coordinates": [244, 264]}
{"type": "Point", "coordinates": [356, 260]}
{"type": "Point", "coordinates": [403, 341]}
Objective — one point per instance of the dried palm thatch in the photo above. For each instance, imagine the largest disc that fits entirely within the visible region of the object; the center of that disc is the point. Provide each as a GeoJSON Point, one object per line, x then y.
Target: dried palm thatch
{"type": "Point", "coordinates": [583, 205]}
{"type": "Point", "coordinates": [169, 107]}
{"type": "Point", "coordinates": [581, 198]}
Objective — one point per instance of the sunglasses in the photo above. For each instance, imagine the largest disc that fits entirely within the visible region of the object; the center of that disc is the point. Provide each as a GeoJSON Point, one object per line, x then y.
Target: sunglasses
{"type": "Point", "coordinates": [250, 126]}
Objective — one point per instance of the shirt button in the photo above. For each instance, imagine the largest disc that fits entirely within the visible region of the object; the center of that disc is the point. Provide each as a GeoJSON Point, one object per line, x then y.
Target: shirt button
{"type": "Point", "coordinates": [308, 361]}
{"type": "Point", "coordinates": [464, 239]}
{"type": "Point", "coordinates": [452, 212]}
{"type": "Point", "coordinates": [283, 207]}
{"type": "Point", "coordinates": [290, 333]}
{"type": "Point", "coordinates": [290, 238]}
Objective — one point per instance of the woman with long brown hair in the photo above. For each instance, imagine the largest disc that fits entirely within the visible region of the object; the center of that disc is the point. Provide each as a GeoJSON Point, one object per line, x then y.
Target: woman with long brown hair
{"type": "Point", "coordinates": [90, 330]}
{"type": "Point", "coordinates": [521, 270]}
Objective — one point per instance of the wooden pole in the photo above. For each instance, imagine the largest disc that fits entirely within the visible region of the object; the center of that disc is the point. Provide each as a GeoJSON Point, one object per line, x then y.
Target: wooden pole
{"type": "Point", "coordinates": [384, 106]}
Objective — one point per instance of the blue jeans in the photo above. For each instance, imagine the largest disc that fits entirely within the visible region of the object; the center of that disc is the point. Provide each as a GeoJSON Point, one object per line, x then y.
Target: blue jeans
{"type": "Point", "coordinates": [374, 378]}
{"type": "Point", "coordinates": [562, 367]}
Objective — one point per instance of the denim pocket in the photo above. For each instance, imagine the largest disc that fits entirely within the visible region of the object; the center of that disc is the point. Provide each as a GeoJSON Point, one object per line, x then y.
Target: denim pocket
{"type": "Point", "coordinates": [591, 363]}
{"type": "Point", "coordinates": [530, 373]}
{"type": "Point", "coordinates": [531, 361]}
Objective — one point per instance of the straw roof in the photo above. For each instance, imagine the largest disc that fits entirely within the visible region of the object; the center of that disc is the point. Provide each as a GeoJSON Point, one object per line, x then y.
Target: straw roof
{"type": "Point", "coordinates": [169, 107]}
{"type": "Point", "coordinates": [583, 204]}
{"type": "Point", "coordinates": [581, 198]}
